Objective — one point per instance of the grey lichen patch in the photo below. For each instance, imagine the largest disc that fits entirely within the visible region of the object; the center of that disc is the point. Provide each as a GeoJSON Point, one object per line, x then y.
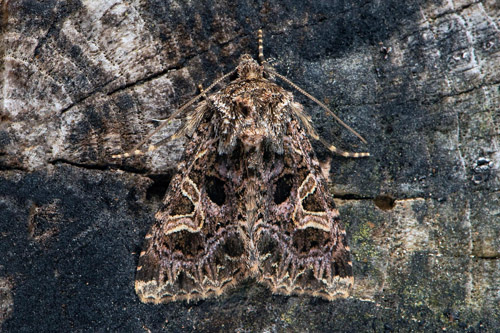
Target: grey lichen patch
{"type": "Point", "coordinates": [484, 285]}
{"type": "Point", "coordinates": [363, 237]}
{"type": "Point", "coordinates": [365, 223]}
{"type": "Point", "coordinates": [6, 300]}
{"type": "Point", "coordinates": [289, 316]}
{"type": "Point", "coordinates": [425, 252]}
{"type": "Point", "coordinates": [485, 214]}
{"type": "Point", "coordinates": [486, 245]}
{"type": "Point", "coordinates": [408, 230]}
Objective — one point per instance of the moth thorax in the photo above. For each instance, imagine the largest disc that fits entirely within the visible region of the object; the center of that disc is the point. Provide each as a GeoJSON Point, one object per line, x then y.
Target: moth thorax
{"type": "Point", "coordinates": [254, 160]}
{"type": "Point", "coordinates": [248, 68]}
{"type": "Point", "coordinates": [252, 138]}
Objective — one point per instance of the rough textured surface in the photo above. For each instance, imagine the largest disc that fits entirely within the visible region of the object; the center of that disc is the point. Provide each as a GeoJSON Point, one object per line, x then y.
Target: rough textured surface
{"type": "Point", "coordinates": [82, 80]}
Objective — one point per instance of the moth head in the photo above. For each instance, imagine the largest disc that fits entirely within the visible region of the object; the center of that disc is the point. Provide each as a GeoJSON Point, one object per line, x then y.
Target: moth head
{"type": "Point", "coordinates": [248, 68]}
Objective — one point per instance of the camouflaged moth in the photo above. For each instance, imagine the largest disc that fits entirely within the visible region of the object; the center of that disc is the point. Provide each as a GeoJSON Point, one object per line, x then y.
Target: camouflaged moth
{"type": "Point", "coordinates": [249, 201]}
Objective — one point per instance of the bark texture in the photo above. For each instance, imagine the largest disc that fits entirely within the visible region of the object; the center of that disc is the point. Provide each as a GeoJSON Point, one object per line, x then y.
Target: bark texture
{"type": "Point", "coordinates": [82, 80]}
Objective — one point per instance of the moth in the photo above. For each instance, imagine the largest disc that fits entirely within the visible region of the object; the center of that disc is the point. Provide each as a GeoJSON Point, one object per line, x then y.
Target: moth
{"type": "Point", "coordinates": [249, 201]}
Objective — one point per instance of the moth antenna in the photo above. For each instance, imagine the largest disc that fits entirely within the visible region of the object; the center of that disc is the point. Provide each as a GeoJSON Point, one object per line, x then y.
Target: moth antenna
{"type": "Point", "coordinates": [305, 93]}
{"type": "Point", "coordinates": [306, 121]}
{"type": "Point", "coordinates": [262, 60]}
{"type": "Point", "coordinates": [135, 151]}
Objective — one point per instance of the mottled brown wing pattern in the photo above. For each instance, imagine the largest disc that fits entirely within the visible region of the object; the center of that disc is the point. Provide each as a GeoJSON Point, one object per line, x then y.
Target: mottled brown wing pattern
{"type": "Point", "coordinates": [250, 200]}
{"type": "Point", "coordinates": [302, 246]}
{"type": "Point", "coordinates": [194, 250]}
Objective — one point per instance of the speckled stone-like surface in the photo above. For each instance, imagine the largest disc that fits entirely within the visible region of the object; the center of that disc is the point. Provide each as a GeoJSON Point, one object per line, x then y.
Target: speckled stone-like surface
{"type": "Point", "coordinates": [82, 80]}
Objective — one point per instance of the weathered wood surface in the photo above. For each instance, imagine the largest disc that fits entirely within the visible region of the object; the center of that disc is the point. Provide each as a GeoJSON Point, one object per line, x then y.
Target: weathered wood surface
{"type": "Point", "coordinates": [81, 80]}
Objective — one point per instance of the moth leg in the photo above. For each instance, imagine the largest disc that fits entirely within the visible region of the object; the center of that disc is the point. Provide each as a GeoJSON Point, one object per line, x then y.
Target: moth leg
{"type": "Point", "coordinates": [194, 118]}
{"type": "Point", "coordinates": [203, 93]}
{"type": "Point", "coordinates": [135, 151]}
{"type": "Point", "coordinates": [306, 121]}
{"type": "Point", "coordinates": [341, 152]}
{"type": "Point", "coordinates": [314, 99]}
